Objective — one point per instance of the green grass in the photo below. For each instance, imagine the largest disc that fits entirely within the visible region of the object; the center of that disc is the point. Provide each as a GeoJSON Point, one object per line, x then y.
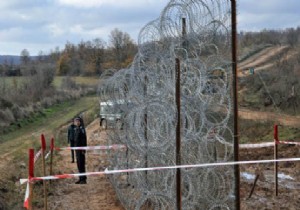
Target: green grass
{"type": "Point", "coordinates": [262, 131]}
{"type": "Point", "coordinates": [12, 82]}
{"type": "Point", "coordinates": [51, 118]}
{"type": "Point", "coordinates": [14, 145]}
{"type": "Point", "coordinates": [89, 81]}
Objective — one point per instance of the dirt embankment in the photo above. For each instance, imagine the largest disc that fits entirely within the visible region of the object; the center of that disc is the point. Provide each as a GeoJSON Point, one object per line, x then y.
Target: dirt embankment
{"type": "Point", "coordinates": [264, 193]}
{"type": "Point", "coordinates": [262, 60]}
{"type": "Point", "coordinates": [279, 118]}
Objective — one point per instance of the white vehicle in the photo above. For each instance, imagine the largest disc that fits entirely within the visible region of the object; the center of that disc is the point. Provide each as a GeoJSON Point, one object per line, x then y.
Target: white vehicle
{"type": "Point", "coordinates": [111, 114]}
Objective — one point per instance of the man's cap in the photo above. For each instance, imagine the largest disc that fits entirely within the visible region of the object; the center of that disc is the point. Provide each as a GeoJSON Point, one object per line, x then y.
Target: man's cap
{"type": "Point", "coordinates": [77, 118]}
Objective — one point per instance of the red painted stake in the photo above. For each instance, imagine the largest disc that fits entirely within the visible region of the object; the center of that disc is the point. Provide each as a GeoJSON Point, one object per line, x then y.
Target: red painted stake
{"type": "Point", "coordinates": [30, 176]}
{"type": "Point", "coordinates": [43, 145]}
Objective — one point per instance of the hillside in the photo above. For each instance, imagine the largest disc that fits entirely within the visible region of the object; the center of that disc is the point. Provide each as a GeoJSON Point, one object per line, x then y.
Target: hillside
{"type": "Point", "coordinates": [14, 59]}
{"type": "Point", "coordinates": [263, 59]}
{"type": "Point", "coordinates": [274, 84]}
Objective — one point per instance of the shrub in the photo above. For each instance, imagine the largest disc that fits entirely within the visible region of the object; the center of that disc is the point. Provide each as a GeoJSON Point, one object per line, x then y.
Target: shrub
{"type": "Point", "coordinates": [6, 116]}
{"type": "Point", "coordinates": [18, 112]}
{"type": "Point", "coordinates": [68, 83]}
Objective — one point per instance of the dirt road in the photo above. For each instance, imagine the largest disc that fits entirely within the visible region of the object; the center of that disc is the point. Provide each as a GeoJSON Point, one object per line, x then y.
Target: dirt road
{"type": "Point", "coordinates": [279, 118]}
{"type": "Point", "coordinates": [97, 193]}
{"type": "Point", "coordinates": [261, 60]}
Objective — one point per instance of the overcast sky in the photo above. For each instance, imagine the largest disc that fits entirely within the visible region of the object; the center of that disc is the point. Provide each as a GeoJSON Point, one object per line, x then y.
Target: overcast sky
{"type": "Point", "coordinates": [41, 25]}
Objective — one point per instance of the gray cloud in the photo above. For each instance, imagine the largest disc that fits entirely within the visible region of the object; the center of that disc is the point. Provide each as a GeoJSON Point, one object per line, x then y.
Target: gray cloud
{"type": "Point", "coordinates": [269, 14]}
{"type": "Point", "coordinates": [42, 25]}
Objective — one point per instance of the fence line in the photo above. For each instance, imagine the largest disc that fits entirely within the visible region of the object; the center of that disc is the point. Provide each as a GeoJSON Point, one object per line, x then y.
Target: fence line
{"type": "Point", "coordinates": [41, 153]}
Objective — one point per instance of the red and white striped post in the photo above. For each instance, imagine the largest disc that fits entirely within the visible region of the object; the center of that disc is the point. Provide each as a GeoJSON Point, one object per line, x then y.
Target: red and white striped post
{"type": "Point", "coordinates": [43, 145]}
{"type": "Point", "coordinates": [29, 194]}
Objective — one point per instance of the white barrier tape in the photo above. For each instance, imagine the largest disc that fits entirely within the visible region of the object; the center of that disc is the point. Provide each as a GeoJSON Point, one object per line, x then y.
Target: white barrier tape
{"type": "Point", "coordinates": [266, 144]}
{"type": "Point", "coordinates": [47, 155]}
{"type": "Point", "coordinates": [260, 145]}
{"type": "Point", "coordinates": [290, 142]}
{"type": "Point", "coordinates": [114, 147]}
{"type": "Point", "coordinates": [65, 176]}
{"type": "Point", "coordinates": [37, 155]}
{"type": "Point", "coordinates": [26, 200]}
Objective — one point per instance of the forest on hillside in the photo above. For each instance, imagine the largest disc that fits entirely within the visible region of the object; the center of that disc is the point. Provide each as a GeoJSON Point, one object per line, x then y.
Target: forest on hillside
{"type": "Point", "coordinates": [276, 83]}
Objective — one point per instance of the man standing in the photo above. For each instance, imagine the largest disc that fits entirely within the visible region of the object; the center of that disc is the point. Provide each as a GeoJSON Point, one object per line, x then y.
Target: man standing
{"type": "Point", "coordinates": [71, 133]}
{"type": "Point", "coordinates": [80, 141]}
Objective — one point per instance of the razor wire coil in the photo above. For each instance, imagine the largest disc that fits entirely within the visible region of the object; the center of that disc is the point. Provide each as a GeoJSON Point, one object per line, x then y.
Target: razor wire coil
{"type": "Point", "coordinates": [145, 96]}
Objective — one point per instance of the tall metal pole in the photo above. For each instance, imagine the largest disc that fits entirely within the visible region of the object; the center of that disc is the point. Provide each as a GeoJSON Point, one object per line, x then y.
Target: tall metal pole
{"type": "Point", "coordinates": [235, 101]}
{"type": "Point", "coordinates": [275, 158]}
{"type": "Point", "coordinates": [145, 131]}
{"type": "Point", "coordinates": [184, 40]}
{"type": "Point", "coordinates": [178, 137]}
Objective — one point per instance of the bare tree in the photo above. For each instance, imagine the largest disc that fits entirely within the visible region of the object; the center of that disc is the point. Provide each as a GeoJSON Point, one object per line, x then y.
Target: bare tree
{"type": "Point", "coordinates": [122, 46]}
{"type": "Point", "coordinates": [292, 37]}
{"type": "Point", "coordinates": [25, 56]}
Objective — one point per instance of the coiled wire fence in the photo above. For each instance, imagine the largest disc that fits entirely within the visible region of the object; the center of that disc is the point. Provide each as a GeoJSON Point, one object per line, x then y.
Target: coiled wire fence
{"type": "Point", "coordinates": [197, 32]}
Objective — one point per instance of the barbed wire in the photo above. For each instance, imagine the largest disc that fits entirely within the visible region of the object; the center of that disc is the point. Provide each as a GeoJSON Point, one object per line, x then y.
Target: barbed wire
{"type": "Point", "coordinates": [144, 94]}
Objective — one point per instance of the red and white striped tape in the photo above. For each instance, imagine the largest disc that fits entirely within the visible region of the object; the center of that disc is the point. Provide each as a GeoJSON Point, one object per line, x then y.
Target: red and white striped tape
{"type": "Point", "coordinates": [37, 155]}
{"type": "Point", "coordinates": [65, 176]}
{"type": "Point", "coordinates": [267, 144]}
{"type": "Point", "coordinates": [47, 155]}
{"type": "Point", "coordinates": [100, 147]}
{"type": "Point", "coordinates": [26, 200]}
{"type": "Point", "coordinates": [121, 146]}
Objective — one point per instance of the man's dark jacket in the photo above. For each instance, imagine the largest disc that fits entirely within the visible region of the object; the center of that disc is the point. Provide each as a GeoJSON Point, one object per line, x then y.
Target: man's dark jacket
{"type": "Point", "coordinates": [80, 137]}
{"type": "Point", "coordinates": [71, 134]}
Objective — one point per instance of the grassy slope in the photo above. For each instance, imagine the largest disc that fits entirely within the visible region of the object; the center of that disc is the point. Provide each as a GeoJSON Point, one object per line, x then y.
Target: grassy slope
{"type": "Point", "coordinates": [15, 145]}
{"type": "Point", "coordinates": [79, 80]}
{"type": "Point", "coordinates": [11, 81]}
{"type": "Point", "coordinates": [252, 131]}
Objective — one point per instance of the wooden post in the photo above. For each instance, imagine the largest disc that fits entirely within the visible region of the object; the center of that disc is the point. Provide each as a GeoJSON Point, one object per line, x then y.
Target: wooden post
{"type": "Point", "coordinates": [146, 131]}
{"type": "Point", "coordinates": [276, 140]}
{"type": "Point", "coordinates": [30, 176]}
{"type": "Point", "coordinates": [253, 187]}
{"type": "Point", "coordinates": [178, 137]}
{"type": "Point", "coordinates": [51, 155]}
{"type": "Point", "coordinates": [43, 144]}
{"type": "Point", "coordinates": [235, 102]}
{"type": "Point", "coordinates": [184, 33]}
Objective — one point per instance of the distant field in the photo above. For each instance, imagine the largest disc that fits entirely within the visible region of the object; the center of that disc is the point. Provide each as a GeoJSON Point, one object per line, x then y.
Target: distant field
{"type": "Point", "coordinates": [79, 80]}
{"type": "Point", "coordinates": [10, 82]}
{"type": "Point", "coordinates": [16, 81]}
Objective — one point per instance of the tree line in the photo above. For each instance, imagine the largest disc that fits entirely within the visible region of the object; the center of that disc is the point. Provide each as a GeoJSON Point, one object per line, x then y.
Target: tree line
{"type": "Point", "coordinates": [288, 36]}
{"type": "Point", "coordinates": [88, 58]}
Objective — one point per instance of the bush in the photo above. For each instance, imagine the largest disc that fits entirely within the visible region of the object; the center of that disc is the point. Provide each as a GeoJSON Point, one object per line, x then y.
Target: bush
{"type": "Point", "coordinates": [18, 112]}
{"type": "Point", "coordinates": [6, 116]}
{"type": "Point", "coordinates": [68, 83]}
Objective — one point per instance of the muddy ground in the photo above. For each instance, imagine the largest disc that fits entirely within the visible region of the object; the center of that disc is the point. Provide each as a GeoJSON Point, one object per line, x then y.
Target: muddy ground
{"type": "Point", "coordinates": [99, 193]}
{"type": "Point", "coordinates": [264, 193]}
